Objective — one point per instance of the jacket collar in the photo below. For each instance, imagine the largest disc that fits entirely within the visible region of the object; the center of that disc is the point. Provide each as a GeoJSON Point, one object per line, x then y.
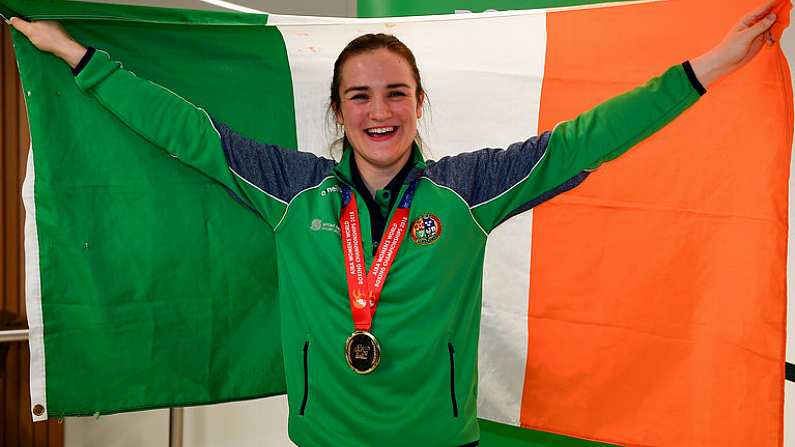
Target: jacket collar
{"type": "Point", "coordinates": [344, 169]}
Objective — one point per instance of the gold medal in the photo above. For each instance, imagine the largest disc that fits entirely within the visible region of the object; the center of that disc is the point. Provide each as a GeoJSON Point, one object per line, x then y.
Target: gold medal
{"type": "Point", "coordinates": [362, 352]}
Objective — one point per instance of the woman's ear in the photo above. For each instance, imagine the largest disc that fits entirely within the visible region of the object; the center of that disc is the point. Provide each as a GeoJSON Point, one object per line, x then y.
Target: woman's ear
{"type": "Point", "coordinates": [420, 102]}
{"type": "Point", "coordinates": [338, 114]}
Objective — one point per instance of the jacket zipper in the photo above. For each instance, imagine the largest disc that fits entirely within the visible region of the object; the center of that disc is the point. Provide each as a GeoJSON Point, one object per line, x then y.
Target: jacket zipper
{"type": "Point", "coordinates": [306, 379]}
{"type": "Point", "coordinates": [452, 380]}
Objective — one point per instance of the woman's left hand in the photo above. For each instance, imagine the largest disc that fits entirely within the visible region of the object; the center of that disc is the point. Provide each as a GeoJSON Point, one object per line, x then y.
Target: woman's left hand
{"type": "Point", "coordinates": [740, 45]}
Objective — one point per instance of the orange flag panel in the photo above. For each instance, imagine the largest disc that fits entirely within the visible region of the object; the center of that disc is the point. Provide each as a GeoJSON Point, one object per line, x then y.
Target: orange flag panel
{"type": "Point", "coordinates": [658, 287]}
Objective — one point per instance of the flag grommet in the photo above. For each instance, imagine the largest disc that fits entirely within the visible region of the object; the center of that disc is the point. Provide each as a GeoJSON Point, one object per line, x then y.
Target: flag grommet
{"type": "Point", "coordinates": [38, 410]}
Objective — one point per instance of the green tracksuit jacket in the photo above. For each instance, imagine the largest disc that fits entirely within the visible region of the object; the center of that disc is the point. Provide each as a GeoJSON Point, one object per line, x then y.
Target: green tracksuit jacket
{"type": "Point", "coordinates": [424, 391]}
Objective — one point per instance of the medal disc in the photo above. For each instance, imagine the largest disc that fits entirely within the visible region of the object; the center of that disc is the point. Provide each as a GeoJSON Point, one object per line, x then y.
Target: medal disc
{"type": "Point", "coordinates": [362, 352]}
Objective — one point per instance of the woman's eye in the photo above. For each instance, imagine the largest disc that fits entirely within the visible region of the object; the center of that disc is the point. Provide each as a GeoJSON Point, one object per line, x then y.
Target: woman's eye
{"type": "Point", "coordinates": [359, 97]}
{"type": "Point", "coordinates": [396, 93]}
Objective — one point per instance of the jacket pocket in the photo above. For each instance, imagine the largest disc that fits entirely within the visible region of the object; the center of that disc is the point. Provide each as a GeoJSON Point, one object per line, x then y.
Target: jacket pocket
{"type": "Point", "coordinates": [306, 378]}
{"type": "Point", "coordinates": [452, 379]}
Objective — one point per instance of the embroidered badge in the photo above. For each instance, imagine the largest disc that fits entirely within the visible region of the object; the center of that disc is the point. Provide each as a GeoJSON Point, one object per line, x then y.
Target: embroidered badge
{"type": "Point", "coordinates": [426, 229]}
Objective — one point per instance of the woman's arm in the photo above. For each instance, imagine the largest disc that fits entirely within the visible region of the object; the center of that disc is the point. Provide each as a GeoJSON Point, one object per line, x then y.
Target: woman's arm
{"type": "Point", "coordinates": [611, 128]}
{"type": "Point", "coordinates": [264, 176]}
{"type": "Point", "coordinates": [500, 183]}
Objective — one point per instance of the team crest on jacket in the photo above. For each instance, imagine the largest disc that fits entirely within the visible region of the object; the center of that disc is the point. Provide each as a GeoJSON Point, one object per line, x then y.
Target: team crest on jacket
{"type": "Point", "coordinates": [426, 229]}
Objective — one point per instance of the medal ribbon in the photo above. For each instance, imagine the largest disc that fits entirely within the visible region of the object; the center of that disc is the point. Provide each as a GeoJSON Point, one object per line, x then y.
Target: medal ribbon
{"type": "Point", "coordinates": [364, 289]}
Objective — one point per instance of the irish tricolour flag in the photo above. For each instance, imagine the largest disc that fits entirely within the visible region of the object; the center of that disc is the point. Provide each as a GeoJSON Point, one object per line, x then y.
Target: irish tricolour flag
{"type": "Point", "coordinates": [646, 307]}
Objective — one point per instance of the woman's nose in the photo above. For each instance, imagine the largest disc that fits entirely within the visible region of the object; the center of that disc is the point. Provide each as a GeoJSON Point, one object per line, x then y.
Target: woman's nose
{"type": "Point", "coordinates": [379, 109]}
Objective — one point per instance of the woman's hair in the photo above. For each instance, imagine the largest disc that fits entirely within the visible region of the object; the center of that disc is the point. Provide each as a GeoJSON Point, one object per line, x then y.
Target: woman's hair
{"type": "Point", "coordinates": [364, 44]}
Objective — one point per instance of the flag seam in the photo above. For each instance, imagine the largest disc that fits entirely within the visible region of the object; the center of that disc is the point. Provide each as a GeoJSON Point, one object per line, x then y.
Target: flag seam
{"type": "Point", "coordinates": [274, 18]}
{"type": "Point", "coordinates": [138, 20]}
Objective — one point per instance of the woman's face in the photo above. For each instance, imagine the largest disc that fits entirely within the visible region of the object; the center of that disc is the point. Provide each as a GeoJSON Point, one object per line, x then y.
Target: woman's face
{"type": "Point", "coordinates": [379, 107]}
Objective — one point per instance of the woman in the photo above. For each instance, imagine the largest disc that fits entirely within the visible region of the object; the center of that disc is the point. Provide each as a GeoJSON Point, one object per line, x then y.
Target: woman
{"type": "Point", "coordinates": [407, 375]}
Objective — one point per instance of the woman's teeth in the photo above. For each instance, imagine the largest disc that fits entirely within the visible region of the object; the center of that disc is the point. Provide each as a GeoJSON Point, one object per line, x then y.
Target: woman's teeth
{"type": "Point", "coordinates": [379, 131]}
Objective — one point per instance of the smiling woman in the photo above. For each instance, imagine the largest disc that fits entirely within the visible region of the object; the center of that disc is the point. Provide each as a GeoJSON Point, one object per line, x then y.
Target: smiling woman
{"type": "Point", "coordinates": [377, 96]}
{"type": "Point", "coordinates": [380, 330]}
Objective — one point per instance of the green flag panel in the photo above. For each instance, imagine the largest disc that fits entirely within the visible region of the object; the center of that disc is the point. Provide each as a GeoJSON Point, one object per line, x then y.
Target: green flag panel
{"type": "Point", "coordinates": [153, 318]}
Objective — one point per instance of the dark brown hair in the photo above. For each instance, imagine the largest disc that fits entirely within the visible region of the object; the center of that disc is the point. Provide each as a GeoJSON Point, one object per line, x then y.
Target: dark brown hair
{"type": "Point", "coordinates": [363, 44]}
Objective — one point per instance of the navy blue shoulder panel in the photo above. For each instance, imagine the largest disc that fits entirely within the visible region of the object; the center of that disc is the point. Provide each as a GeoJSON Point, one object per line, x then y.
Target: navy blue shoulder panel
{"type": "Point", "coordinates": [279, 172]}
{"type": "Point", "coordinates": [482, 175]}
{"type": "Point", "coordinates": [567, 185]}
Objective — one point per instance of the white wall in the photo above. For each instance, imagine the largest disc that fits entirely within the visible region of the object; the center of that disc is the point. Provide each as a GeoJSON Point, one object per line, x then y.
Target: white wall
{"type": "Point", "coordinates": [263, 422]}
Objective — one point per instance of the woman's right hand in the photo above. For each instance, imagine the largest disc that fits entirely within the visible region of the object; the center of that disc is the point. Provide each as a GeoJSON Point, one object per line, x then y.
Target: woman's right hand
{"type": "Point", "coordinates": [50, 36]}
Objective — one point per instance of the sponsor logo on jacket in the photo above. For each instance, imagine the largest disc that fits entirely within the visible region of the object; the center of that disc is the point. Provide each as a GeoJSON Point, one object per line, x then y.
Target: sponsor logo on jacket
{"type": "Point", "coordinates": [319, 225]}
{"type": "Point", "coordinates": [329, 190]}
